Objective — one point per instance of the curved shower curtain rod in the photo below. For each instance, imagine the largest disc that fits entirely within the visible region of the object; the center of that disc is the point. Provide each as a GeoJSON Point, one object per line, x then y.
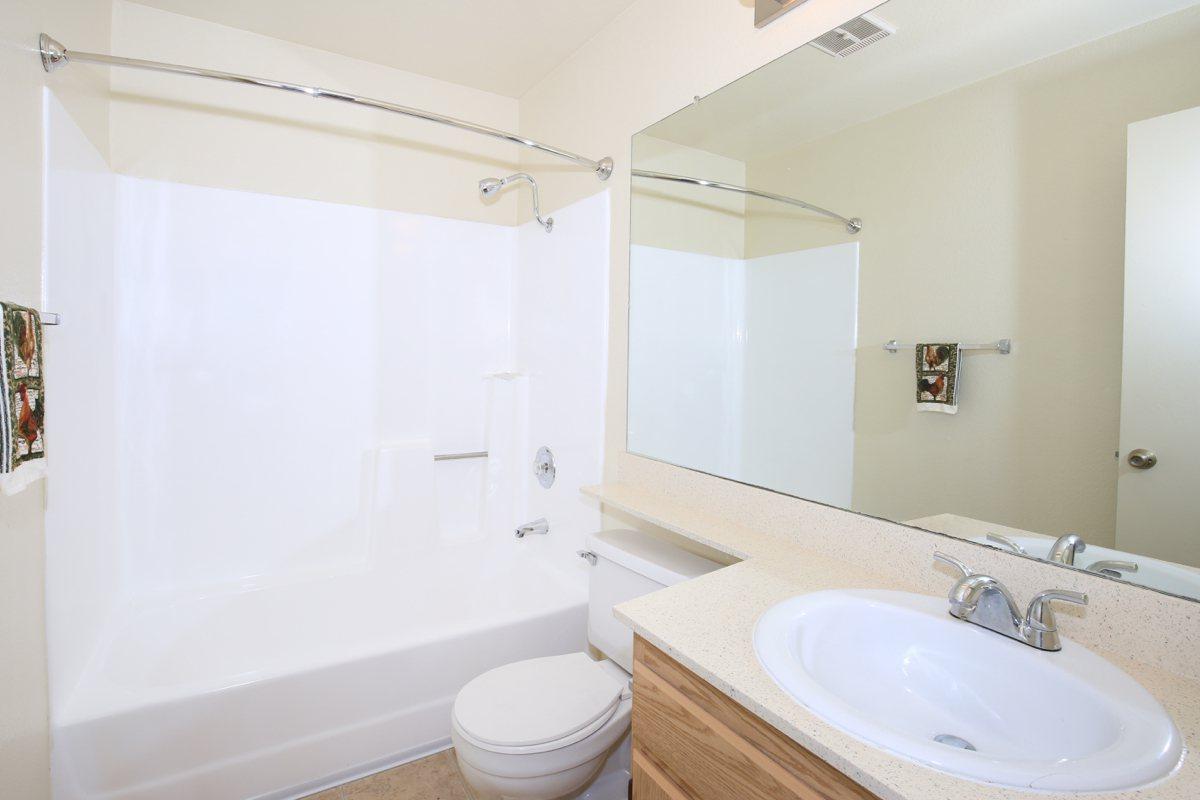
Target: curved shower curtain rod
{"type": "Point", "coordinates": [853, 224]}
{"type": "Point", "coordinates": [55, 55]}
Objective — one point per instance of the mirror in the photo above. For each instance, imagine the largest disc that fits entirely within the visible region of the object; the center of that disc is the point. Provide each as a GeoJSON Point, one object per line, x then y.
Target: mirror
{"type": "Point", "coordinates": [1027, 176]}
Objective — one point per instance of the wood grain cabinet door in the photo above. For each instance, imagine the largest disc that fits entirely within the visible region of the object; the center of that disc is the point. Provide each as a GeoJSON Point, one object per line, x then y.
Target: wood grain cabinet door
{"type": "Point", "coordinates": [690, 742]}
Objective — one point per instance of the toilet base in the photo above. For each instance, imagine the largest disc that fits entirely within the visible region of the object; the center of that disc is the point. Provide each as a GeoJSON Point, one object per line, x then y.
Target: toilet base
{"type": "Point", "coordinates": [603, 778]}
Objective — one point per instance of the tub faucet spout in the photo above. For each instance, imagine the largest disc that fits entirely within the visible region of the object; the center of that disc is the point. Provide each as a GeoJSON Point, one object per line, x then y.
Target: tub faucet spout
{"type": "Point", "coordinates": [537, 526]}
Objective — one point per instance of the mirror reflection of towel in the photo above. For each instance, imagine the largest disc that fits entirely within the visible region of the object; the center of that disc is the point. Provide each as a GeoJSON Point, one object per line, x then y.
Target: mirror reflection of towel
{"type": "Point", "coordinates": [937, 377]}
{"type": "Point", "coordinates": [22, 405]}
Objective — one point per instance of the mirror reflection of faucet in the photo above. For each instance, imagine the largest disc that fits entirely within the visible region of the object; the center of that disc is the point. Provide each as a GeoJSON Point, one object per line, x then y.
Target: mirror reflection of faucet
{"type": "Point", "coordinates": [1066, 547]}
{"type": "Point", "coordinates": [540, 526]}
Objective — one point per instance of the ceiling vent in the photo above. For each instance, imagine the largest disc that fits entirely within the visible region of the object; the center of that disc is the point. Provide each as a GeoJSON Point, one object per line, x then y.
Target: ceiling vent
{"type": "Point", "coordinates": [852, 36]}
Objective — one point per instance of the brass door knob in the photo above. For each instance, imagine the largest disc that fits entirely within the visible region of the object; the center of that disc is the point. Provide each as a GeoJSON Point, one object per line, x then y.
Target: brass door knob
{"type": "Point", "coordinates": [1142, 458]}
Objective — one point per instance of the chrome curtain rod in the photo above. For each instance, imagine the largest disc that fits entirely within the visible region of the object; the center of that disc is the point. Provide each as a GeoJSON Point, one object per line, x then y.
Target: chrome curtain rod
{"type": "Point", "coordinates": [55, 55]}
{"type": "Point", "coordinates": [853, 224]}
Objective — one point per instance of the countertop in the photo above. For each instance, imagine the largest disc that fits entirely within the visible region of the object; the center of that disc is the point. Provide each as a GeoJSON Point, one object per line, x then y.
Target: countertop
{"type": "Point", "coordinates": [707, 625]}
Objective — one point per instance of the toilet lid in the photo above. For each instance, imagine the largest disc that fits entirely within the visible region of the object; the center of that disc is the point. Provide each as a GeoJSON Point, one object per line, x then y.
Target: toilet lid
{"type": "Point", "coordinates": [537, 701]}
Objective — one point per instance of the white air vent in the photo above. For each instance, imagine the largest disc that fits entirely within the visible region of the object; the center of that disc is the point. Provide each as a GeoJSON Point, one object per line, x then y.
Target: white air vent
{"type": "Point", "coordinates": [853, 36]}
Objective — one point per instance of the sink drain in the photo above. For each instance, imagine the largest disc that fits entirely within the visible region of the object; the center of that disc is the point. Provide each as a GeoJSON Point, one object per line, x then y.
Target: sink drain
{"type": "Point", "coordinates": [953, 741]}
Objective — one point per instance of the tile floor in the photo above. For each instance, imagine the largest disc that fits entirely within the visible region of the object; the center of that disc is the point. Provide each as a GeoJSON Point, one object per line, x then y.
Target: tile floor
{"type": "Point", "coordinates": [434, 777]}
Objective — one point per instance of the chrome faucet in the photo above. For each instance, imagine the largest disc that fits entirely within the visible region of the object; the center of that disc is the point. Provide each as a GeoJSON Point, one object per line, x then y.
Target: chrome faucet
{"type": "Point", "coordinates": [984, 601]}
{"type": "Point", "coordinates": [1065, 548]}
{"type": "Point", "coordinates": [537, 526]}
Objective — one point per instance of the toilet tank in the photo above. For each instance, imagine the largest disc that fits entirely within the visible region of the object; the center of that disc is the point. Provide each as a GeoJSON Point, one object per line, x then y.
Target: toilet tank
{"type": "Point", "coordinates": [630, 564]}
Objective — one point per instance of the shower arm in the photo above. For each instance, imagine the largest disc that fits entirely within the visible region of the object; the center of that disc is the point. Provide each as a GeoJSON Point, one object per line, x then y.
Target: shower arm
{"type": "Point", "coordinates": [55, 56]}
{"type": "Point", "coordinates": [489, 186]}
{"type": "Point", "coordinates": [853, 224]}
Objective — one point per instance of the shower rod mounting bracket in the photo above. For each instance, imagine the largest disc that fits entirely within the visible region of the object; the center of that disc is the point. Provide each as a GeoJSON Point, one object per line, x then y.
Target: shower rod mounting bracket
{"type": "Point", "coordinates": [55, 56]}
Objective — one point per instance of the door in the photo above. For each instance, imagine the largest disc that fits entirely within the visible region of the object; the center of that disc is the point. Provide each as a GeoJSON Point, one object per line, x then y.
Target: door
{"type": "Point", "coordinates": [1158, 508]}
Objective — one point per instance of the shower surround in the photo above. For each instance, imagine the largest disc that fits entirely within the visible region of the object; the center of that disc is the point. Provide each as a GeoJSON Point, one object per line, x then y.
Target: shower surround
{"type": "Point", "coordinates": [259, 581]}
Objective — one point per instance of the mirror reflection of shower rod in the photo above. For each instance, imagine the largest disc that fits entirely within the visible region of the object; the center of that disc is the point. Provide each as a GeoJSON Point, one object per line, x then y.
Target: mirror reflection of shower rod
{"type": "Point", "coordinates": [853, 224]}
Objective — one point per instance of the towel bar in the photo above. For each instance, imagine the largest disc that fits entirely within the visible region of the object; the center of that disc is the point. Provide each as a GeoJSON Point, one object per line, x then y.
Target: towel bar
{"type": "Point", "coordinates": [49, 318]}
{"type": "Point", "coordinates": [1004, 346]}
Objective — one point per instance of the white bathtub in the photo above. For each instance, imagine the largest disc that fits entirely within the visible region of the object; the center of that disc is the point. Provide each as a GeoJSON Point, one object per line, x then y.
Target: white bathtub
{"type": "Point", "coordinates": [275, 692]}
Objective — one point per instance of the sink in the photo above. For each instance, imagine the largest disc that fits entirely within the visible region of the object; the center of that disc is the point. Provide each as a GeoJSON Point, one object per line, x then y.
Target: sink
{"type": "Point", "coordinates": [897, 671]}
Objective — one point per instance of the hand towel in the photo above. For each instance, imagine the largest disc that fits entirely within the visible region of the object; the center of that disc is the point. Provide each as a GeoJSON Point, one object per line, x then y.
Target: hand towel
{"type": "Point", "coordinates": [22, 404]}
{"type": "Point", "coordinates": [937, 377]}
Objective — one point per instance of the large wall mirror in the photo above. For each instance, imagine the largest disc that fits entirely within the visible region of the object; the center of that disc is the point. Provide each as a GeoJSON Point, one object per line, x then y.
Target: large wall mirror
{"type": "Point", "coordinates": [1007, 349]}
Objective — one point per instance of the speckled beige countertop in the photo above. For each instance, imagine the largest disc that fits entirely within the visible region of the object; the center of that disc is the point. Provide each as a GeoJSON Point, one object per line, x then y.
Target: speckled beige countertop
{"type": "Point", "coordinates": [707, 625]}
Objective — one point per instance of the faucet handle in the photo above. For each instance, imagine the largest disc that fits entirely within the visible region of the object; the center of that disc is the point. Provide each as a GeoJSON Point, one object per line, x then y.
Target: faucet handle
{"type": "Point", "coordinates": [1108, 566]}
{"type": "Point", "coordinates": [954, 562]}
{"type": "Point", "coordinates": [1041, 615]}
{"type": "Point", "coordinates": [1004, 541]}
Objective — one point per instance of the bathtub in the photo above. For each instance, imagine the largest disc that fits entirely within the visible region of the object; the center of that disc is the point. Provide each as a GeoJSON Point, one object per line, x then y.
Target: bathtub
{"type": "Point", "coordinates": [278, 691]}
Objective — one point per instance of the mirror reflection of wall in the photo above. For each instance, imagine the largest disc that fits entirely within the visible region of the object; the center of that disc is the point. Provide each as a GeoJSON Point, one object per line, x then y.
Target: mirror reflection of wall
{"type": "Point", "coordinates": [989, 166]}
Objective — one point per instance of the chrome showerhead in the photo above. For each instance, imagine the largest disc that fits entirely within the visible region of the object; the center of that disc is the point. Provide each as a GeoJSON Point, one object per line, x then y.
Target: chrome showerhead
{"type": "Point", "coordinates": [489, 186]}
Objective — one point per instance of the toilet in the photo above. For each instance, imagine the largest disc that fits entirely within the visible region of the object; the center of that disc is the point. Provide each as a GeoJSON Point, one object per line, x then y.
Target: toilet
{"type": "Point", "coordinates": [545, 728]}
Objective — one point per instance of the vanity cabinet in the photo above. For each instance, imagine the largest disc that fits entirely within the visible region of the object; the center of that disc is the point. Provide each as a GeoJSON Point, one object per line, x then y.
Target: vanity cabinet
{"type": "Point", "coordinates": [690, 742]}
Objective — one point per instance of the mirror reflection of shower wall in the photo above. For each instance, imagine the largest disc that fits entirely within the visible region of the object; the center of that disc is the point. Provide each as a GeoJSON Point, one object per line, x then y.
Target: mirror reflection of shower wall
{"type": "Point", "coordinates": [988, 164]}
{"type": "Point", "coordinates": [712, 319]}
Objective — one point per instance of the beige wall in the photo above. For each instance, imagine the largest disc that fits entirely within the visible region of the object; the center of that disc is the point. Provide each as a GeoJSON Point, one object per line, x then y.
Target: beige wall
{"type": "Point", "coordinates": [24, 740]}
{"type": "Point", "coordinates": [1037, 255]}
{"type": "Point", "coordinates": [216, 134]}
{"type": "Point", "coordinates": [687, 218]}
{"type": "Point", "coordinates": [648, 63]}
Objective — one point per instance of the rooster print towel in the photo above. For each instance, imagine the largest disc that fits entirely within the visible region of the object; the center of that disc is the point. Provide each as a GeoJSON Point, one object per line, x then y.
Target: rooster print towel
{"type": "Point", "coordinates": [23, 406]}
{"type": "Point", "coordinates": [937, 377]}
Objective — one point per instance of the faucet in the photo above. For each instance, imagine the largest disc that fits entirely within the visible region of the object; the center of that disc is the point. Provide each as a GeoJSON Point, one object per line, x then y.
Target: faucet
{"type": "Point", "coordinates": [537, 526]}
{"type": "Point", "coordinates": [984, 601]}
{"type": "Point", "coordinates": [1065, 548]}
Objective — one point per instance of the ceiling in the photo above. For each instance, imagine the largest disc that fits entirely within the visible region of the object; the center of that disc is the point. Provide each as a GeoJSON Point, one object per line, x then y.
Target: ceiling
{"type": "Point", "coordinates": [939, 45]}
{"type": "Point", "coordinates": [501, 46]}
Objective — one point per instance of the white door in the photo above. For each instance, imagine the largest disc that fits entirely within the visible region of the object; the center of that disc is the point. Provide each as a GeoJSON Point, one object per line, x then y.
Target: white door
{"type": "Point", "coordinates": [1158, 509]}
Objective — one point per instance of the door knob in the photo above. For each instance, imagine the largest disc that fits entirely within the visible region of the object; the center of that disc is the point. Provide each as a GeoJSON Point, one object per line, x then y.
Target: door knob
{"type": "Point", "coordinates": [1142, 458]}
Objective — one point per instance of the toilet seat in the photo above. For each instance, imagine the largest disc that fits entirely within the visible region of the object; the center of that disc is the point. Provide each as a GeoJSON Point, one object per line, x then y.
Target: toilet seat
{"type": "Point", "coordinates": [539, 705]}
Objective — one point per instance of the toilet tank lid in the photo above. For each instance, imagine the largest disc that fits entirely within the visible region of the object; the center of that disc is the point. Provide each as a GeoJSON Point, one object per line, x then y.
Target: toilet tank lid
{"type": "Point", "coordinates": [647, 555]}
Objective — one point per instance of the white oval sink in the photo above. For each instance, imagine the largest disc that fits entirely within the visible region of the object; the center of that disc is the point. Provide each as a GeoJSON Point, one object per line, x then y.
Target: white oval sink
{"type": "Point", "coordinates": [896, 670]}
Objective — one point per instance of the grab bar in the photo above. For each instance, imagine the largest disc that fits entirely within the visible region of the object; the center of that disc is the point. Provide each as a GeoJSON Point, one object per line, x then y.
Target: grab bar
{"type": "Point", "coordinates": [457, 456]}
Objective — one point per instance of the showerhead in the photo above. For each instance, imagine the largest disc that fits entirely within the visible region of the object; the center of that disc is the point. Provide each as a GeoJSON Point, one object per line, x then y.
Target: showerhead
{"type": "Point", "coordinates": [489, 186]}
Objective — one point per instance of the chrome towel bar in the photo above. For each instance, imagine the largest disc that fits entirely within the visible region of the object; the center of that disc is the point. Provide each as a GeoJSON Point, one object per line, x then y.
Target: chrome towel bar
{"type": "Point", "coordinates": [1004, 346]}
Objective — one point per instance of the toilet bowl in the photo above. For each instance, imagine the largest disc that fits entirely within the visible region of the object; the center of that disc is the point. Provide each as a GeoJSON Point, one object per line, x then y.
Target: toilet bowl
{"type": "Point", "coordinates": [540, 729]}
{"type": "Point", "coordinates": [545, 728]}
